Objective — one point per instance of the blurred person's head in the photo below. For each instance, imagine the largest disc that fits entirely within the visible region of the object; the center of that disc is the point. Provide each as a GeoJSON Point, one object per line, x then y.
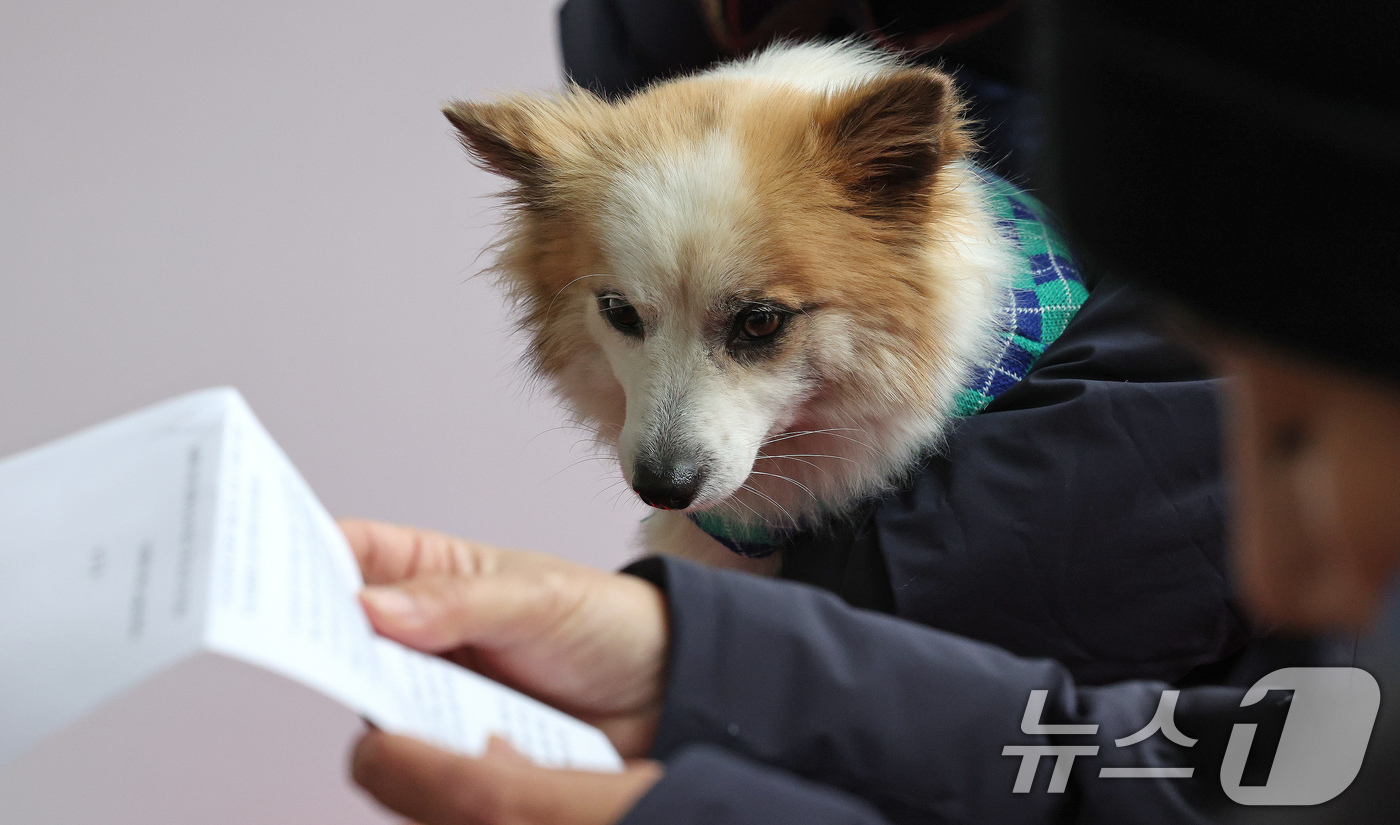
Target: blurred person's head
{"type": "Point", "coordinates": [1244, 159]}
{"type": "Point", "coordinates": [1315, 459]}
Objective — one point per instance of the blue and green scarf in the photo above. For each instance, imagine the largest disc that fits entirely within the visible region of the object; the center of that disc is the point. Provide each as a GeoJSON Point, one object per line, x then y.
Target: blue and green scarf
{"type": "Point", "coordinates": [1044, 294]}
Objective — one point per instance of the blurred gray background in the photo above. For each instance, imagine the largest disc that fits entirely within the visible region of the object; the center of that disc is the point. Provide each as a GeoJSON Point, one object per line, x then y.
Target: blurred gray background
{"type": "Point", "coordinates": [264, 195]}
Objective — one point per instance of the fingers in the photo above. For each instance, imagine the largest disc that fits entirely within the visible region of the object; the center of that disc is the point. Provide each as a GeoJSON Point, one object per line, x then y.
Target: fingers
{"type": "Point", "coordinates": [591, 643]}
{"type": "Point", "coordinates": [435, 787]}
{"type": "Point", "coordinates": [499, 748]}
{"type": "Point", "coordinates": [441, 613]}
{"type": "Point", "coordinates": [389, 553]}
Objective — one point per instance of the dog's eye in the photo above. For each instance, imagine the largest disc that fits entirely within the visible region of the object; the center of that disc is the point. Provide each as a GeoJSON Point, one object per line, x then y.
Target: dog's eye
{"type": "Point", "coordinates": [622, 315]}
{"type": "Point", "coordinates": [761, 323]}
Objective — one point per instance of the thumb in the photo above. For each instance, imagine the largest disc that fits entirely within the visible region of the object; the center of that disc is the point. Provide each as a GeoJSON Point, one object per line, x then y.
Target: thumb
{"type": "Point", "coordinates": [444, 613]}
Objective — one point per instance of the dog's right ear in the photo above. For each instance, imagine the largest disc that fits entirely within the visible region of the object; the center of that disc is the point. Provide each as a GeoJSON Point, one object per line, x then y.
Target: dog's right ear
{"type": "Point", "coordinates": [500, 137]}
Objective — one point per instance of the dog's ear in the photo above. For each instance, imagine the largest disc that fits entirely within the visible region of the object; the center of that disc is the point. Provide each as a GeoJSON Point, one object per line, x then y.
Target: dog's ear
{"type": "Point", "coordinates": [885, 141]}
{"type": "Point", "coordinates": [501, 137]}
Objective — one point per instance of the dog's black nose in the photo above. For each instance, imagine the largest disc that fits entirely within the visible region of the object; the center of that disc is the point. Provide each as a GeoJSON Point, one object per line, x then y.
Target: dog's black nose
{"type": "Point", "coordinates": [671, 485]}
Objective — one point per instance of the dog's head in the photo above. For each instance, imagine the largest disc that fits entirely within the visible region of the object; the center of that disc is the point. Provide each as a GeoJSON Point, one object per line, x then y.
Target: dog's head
{"type": "Point", "coordinates": [749, 280]}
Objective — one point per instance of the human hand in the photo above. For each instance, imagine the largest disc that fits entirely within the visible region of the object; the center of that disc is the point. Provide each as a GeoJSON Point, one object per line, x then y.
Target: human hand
{"type": "Point", "coordinates": [590, 643]}
{"type": "Point", "coordinates": [435, 787]}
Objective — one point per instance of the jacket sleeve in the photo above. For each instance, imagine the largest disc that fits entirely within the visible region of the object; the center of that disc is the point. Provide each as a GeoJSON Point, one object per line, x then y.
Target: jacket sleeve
{"type": "Point", "coordinates": [915, 721]}
{"type": "Point", "coordinates": [704, 785]}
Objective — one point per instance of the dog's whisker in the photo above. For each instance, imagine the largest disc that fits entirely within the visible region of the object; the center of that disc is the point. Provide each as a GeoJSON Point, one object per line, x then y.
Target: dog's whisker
{"type": "Point", "coordinates": [824, 471]}
{"type": "Point", "coordinates": [608, 487]}
{"type": "Point", "coordinates": [795, 433]}
{"type": "Point", "coordinates": [804, 487]}
{"type": "Point", "coordinates": [549, 309]}
{"type": "Point", "coordinates": [731, 501]}
{"type": "Point", "coordinates": [548, 430]}
{"type": "Point", "coordinates": [578, 424]}
{"type": "Point", "coordinates": [834, 432]}
{"type": "Point", "coordinates": [598, 442]}
{"type": "Point", "coordinates": [728, 506]}
{"type": "Point", "coordinates": [799, 456]}
{"type": "Point", "coordinates": [811, 464]}
{"type": "Point", "coordinates": [770, 500]}
{"type": "Point", "coordinates": [574, 464]}
{"type": "Point", "coordinates": [848, 438]}
{"type": "Point", "coordinates": [618, 496]}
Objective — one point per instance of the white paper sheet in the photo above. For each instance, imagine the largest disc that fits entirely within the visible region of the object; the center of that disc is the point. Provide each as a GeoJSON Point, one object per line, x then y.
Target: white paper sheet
{"type": "Point", "coordinates": [185, 528]}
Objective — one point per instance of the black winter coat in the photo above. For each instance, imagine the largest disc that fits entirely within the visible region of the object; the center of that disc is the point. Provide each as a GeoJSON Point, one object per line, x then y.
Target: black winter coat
{"type": "Point", "coordinates": [1080, 516]}
{"type": "Point", "coordinates": [1069, 539]}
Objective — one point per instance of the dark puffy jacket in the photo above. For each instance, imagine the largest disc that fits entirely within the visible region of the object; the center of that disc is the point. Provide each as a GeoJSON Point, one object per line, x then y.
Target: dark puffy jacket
{"type": "Point", "coordinates": [1069, 538]}
{"type": "Point", "coordinates": [1079, 517]}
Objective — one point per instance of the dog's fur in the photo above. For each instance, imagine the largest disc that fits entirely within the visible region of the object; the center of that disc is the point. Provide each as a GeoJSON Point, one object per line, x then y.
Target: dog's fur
{"type": "Point", "coordinates": [824, 185]}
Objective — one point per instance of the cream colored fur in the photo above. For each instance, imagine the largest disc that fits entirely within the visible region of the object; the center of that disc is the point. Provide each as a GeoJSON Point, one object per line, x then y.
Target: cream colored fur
{"type": "Point", "coordinates": [683, 201]}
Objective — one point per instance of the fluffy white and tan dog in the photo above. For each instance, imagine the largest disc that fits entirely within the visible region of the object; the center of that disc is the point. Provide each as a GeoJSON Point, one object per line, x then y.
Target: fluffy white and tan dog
{"type": "Point", "coordinates": [762, 285]}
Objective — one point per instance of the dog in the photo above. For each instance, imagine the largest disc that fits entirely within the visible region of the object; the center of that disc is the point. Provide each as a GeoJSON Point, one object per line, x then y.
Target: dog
{"type": "Point", "coordinates": [768, 287]}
